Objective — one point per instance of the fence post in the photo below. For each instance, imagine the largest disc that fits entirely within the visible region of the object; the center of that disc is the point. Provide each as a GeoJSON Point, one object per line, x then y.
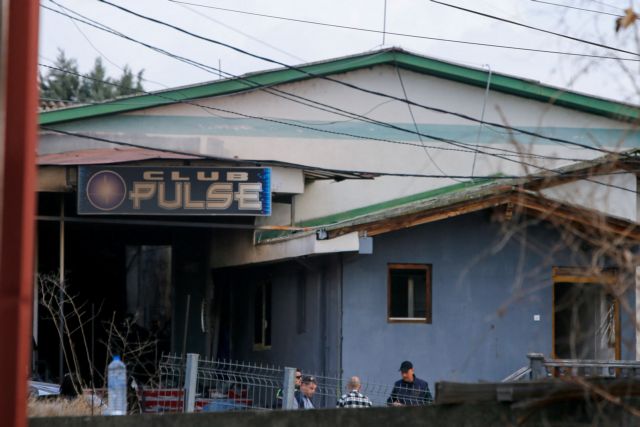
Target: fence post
{"type": "Point", "coordinates": [288, 388]}
{"type": "Point", "coordinates": [190, 382]}
{"type": "Point", "coordinates": [536, 363]}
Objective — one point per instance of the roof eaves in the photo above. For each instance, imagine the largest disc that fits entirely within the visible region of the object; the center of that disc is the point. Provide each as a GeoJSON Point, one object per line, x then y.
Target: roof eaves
{"type": "Point", "coordinates": [394, 56]}
{"type": "Point", "coordinates": [247, 82]}
{"type": "Point", "coordinates": [519, 86]}
{"type": "Point", "coordinates": [456, 194]}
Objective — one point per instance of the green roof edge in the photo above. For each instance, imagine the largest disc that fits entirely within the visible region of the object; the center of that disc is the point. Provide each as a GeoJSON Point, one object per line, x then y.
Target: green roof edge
{"type": "Point", "coordinates": [417, 63]}
{"type": "Point", "coordinates": [376, 207]}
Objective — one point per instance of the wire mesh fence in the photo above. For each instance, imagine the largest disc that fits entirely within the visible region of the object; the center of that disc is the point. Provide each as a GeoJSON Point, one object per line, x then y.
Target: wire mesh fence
{"type": "Point", "coordinates": [223, 385]}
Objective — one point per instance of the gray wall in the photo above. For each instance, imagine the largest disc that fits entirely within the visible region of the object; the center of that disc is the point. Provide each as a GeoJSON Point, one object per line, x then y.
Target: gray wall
{"type": "Point", "coordinates": [486, 288]}
{"type": "Point", "coordinates": [314, 347]}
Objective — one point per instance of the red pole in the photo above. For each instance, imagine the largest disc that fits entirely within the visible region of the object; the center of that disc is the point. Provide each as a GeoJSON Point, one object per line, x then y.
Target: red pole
{"type": "Point", "coordinates": [18, 207]}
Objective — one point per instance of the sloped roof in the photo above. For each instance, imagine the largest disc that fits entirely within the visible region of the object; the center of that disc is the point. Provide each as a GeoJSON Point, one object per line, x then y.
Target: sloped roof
{"type": "Point", "coordinates": [394, 56]}
{"type": "Point", "coordinates": [471, 196]}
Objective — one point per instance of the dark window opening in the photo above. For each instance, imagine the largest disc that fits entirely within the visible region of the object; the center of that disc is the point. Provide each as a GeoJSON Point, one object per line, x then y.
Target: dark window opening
{"type": "Point", "coordinates": [262, 316]}
{"type": "Point", "coordinates": [409, 293]}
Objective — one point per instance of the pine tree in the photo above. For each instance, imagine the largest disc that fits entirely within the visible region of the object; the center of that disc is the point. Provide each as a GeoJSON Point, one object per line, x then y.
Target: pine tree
{"type": "Point", "coordinates": [64, 82]}
{"type": "Point", "coordinates": [98, 87]}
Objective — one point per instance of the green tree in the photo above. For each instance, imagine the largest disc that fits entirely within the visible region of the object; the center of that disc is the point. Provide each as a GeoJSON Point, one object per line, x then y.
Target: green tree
{"type": "Point", "coordinates": [98, 86]}
{"type": "Point", "coordinates": [129, 84]}
{"type": "Point", "coordinates": [63, 82]}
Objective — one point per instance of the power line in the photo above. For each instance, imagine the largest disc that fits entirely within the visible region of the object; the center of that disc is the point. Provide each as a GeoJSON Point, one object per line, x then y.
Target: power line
{"type": "Point", "coordinates": [606, 4]}
{"type": "Point", "coordinates": [415, 36]}
{"type": "Point", "coordinates": [577, 8]}
{"type": "Point", "coordinates": [368, 174]}
{"type": "Point", "coordinates": [508, 21]}
{"type": "Point", "coordinates": [100, 52]}
{"type": "Point", "coordinates": [323, 131]}
{"type": "Point", "coordinates": [415, 125]}
{"type": "Point", "coordinates": [249, 36]}
{"type": "Point", "coordinates": [353, 86]}
{"type": "Point", "coordinates": [448, 141]}
{"type": "Point", "coordinates": [286, 95]}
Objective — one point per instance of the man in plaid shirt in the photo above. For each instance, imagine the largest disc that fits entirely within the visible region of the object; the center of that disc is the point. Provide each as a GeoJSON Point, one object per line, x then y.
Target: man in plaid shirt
{"type": "Point", "coordinates": [354, 399]}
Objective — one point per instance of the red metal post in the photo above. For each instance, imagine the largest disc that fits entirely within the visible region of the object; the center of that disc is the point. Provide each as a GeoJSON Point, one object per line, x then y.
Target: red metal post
{"type": "Point", "coordinates": [18, 206]}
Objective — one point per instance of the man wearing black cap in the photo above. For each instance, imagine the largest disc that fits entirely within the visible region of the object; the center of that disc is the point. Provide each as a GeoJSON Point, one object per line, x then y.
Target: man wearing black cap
{"type": "Point", "coordinates": [303, 396]}
{"type": "Point", "coordinates": [410, 390]}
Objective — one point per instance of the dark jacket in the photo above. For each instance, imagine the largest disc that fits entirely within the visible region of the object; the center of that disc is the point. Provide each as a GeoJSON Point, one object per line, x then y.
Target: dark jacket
{"type": "Point", "coordinates": [299, 398]}
{"type": "Point", "coordinates": [411, 394]}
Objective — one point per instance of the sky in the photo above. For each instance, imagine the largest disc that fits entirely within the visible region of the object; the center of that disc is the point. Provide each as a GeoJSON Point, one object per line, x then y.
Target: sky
{"type": "Point", "coordinates": [295, 43]}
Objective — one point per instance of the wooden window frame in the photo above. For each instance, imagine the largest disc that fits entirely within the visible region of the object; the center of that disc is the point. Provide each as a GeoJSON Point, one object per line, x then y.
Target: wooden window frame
{"type": "Point", "coordinates": [405, 266]}
{"type": "Point", "coordinates": [585, 275]}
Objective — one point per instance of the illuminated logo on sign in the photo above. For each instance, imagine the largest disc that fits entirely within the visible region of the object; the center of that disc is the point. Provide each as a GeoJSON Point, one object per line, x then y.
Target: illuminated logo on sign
{"type": "Point", "coordinates": [106, 190]}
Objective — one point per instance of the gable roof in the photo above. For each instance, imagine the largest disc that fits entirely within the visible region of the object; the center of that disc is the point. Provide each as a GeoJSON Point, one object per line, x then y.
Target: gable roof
{"type": "Point", "coordinates": [393, 56]}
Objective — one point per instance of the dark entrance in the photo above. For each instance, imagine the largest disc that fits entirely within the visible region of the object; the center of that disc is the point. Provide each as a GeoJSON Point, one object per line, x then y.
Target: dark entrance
{"type": "Point", "coordinates": [585, 316]}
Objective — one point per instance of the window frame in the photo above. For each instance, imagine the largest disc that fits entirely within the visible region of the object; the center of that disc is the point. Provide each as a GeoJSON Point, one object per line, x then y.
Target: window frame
{"type": "Point", "coordinates": [428, 298]}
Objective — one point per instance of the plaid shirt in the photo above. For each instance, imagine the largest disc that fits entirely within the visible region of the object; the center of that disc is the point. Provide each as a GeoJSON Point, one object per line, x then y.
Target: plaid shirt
{"type": "Point", "coordinates": [354, 399]}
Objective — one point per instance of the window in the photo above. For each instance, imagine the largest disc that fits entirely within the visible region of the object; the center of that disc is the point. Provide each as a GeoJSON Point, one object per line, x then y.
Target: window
{"type": "Point", "coordinates": [409, 293]}
{"type": "Point", "coordinates": [586, 316]}
{"type": "Point", "coordinates": [262, 317]}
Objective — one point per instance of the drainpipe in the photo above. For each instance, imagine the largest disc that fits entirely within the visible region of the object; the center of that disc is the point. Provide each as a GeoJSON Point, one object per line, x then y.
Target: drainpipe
{"type": "Point", "coordinates": [19, 89]}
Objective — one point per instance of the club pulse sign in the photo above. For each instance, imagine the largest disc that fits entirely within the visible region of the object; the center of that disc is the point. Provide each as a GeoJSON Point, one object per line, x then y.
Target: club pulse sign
{"type": "Point", "coordinates": [125, 190]}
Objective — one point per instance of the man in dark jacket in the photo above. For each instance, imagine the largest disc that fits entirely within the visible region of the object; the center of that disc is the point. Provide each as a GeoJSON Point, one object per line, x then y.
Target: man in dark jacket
{"type": "Point", "coordinates": [410, 390]}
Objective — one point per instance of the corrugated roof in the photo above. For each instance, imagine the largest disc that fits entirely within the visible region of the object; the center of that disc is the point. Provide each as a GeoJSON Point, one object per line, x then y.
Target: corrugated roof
{"type": "Point", "coordinates": [396, 57]}
{"type": "Point", "coordinates": [105, 156]}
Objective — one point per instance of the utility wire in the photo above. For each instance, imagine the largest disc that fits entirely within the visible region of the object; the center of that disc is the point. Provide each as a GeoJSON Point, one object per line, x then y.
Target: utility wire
{"type": "Point", "coordinates": [508, 21]}
{"type": "Point", "coordinates": [99, 51]}
{"type": "Point", "coordinates": [577, 8]}
{"type": "Point", "coordinates": [415, 125]}
{"type": "Point", "coordinates": [318, 105]}
{"type": "Point", "coordinates": [415, 36]}
{"type": "Point", "coordinates": [586, 177]}
{"type": "Point", "coordinates": [286, 123]}
{"type": "Point", "coordinates": [448, 141]}
{"type": "Point", "coordinates": [366, 174]}
{"type": "Point", "coordinates": [353, 86]}
{"type": "Point", "coordinates": [607, 4]}
{"type": "Point", "coordinates": [249, 36]}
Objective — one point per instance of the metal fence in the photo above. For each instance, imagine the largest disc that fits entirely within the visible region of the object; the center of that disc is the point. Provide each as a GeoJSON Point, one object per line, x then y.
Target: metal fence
{"type": "Point", "coordinates": [188, 383]}
{"type": "Point", "coordinates": [541, 368]}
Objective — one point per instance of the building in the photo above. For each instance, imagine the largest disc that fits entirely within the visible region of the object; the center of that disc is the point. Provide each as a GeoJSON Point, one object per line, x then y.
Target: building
{"type": "Point", "coordinates": [368, 190]}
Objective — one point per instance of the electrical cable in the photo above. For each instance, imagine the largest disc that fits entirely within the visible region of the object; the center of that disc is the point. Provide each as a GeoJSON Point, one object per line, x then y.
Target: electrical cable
{"type": "Point", "coordinates": [413, 119]}
{"type": "Point", "coordinates": [285, 95]}
{"type": "Point", "coordinates": [249, 36]}
{"type": "Point", "coordinates": [350, 85]}
{"type": "Point", "coordinates": [445, 140]}
{"type": "Point", "coordinates": [324, 131]}
{"type": "Point", "coordinates": [366, 174]}
{"type": "Point", "coordinates": [577, 8]}
{"type": "Point", "coordinates": [439, 39]}
{"type": "Point", "coordinates": [105, 56]}
{"type": "Point", "coordinates": [519, 24]}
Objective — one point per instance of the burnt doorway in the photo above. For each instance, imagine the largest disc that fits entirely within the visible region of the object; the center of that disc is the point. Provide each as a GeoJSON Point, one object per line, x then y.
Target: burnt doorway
{"type": "Point", "coordinates": [586, 317]}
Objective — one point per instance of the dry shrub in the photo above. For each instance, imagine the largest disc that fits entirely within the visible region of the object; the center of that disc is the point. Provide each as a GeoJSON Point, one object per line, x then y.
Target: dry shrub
{"type": "Point", "coordinates": [60, 407]}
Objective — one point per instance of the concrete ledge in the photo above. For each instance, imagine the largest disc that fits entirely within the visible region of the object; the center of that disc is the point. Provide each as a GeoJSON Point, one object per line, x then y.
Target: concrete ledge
{"type": "Point", "coordinates": [574, 413]}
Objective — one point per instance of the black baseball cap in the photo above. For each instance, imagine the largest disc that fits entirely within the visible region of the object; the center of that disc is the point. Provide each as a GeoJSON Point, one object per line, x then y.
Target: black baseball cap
{"type": "Point", "coordinates": [405, 366]}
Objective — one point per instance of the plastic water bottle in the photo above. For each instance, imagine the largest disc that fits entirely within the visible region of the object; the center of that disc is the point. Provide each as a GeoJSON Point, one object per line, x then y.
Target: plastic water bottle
{"type": "Point", "coordinates": [117, 383]}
